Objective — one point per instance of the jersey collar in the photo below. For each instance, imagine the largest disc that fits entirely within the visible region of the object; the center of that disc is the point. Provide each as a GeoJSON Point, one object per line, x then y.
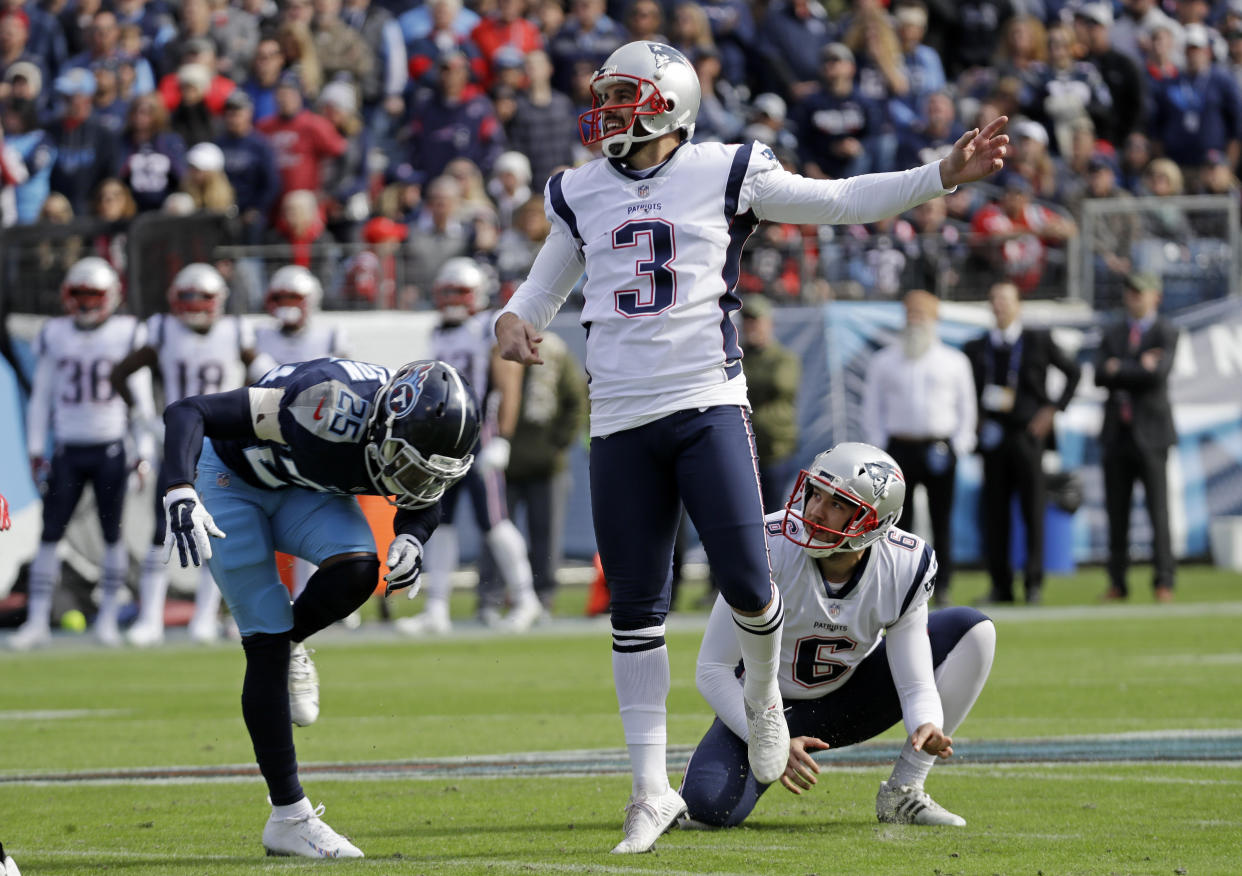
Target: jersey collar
{"type": "Point", "coordinates": [848, 587]}
{"type": "Point", "coordinates": [631, 175]}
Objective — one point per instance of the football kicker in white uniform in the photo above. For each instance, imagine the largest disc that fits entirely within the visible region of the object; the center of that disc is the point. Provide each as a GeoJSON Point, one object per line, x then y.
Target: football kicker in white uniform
{"type": "Point", "coordinates": [859, 650]}
{"type": "Point", "coordinates": [463, 339]}
{"type": "Point", "coordinates": [658, 226]}
{"type": "Point", "coordinates": [196, 350]}
{"type": "Point", "coordinates": [89, 426]}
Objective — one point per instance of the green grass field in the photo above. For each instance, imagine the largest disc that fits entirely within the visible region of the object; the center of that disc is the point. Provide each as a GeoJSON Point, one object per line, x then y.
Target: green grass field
{"type": "Point", "coordinates": [1108, 741]}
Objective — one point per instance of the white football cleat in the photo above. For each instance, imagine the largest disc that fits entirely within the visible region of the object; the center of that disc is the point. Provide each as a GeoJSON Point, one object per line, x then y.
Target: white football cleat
{"type": "Point", "coordinates": [145, 633]}
{"type": "Point", "coordinates": [432, 622]}
{"type": "Point", "coordinates": [522, 616]}
{"type": "Point", "coordinates": [107, 633]}
{"type": "Point", "coordinates": [646, 820]}
{"type": "Point", "coordinates": [204, 631]}
{"type": "Point", "coordinates": [8, 867]}
{"type": "Point", "coordinates": [30, 635]}
{"type": "Point", "coordinates": [306, 836]}
{"type": "Point", "coordinates": [904, 804]}
{"type": "Point", "coordinates": [768, 747]}
{"type": "Point", "coordinates": [303, 686]}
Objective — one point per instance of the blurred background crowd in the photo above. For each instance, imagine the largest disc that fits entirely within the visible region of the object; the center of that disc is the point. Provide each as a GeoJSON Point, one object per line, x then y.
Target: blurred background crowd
{"type": "Point", "coordinates": [372, 140]}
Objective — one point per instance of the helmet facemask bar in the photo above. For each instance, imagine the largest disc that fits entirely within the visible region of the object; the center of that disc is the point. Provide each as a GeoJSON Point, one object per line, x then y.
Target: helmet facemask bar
{"type": "Point", "coordinates": [648, 103]}
{"type": "Point", "coordinates": [819, 540]}
{"type": "Point", "coordinates": [407, 478]}
{"type": "Point", "coordinates": [88, 305]}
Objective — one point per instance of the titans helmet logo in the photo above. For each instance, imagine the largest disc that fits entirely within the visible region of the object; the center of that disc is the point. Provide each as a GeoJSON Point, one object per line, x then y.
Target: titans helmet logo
{"type": "Point", "coordinates": [881, 473]}
{"type": "Point", "coordinates": [404, 394]}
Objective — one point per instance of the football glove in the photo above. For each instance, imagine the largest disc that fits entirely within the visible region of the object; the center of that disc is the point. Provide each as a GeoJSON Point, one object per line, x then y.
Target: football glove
{"type": "Point", "coordinates": [494, 455]}
{"type": "Point", "coordinates": [405, 565]}
{"type": "Point", "coordinates": [190, 527]}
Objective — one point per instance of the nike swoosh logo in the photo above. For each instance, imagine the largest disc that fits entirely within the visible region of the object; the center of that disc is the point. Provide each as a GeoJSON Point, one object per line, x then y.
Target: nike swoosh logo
{"type": "Point", "coordinates": [318, 415]}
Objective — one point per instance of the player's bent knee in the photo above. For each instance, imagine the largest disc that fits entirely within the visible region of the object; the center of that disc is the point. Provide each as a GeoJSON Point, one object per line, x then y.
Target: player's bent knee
{"type": "Point", "coordinates": [340, 587]}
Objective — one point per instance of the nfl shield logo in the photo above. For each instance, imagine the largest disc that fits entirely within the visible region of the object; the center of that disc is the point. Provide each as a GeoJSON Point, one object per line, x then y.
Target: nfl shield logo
{"type": "Point", "coordinates": [222, 479]}
{"type": "Point", "coordinates": [834, 611]}
{"type": "Point", "coordinates": [644, 190]}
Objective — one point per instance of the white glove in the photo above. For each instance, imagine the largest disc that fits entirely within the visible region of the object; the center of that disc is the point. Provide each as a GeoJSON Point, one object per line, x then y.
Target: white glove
{"type": "Point", "coordinates": [494, 455]}
{"type": "Point", "coordinates": [405, 565]}
{"type": "Point", "coordinates": [189, 526]}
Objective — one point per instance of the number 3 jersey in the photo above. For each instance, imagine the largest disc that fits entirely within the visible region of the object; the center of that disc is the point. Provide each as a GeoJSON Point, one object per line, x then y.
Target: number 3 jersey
{"type": "Point", "coordinates": [71, 388]}
{"type": "Point", "coordinates": [310, 422]}
{"type": "Point", "coordinates": [194, 363]}
{"type": "Point", "coordinates": [662, 254]}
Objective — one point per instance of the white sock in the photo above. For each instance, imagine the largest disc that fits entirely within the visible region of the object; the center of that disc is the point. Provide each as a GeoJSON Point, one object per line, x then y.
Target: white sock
{"type": "Point", "coordinates": [439, 560]}
{"type": "Point", "coordinates": [640, 672]}
{"type": "Point", "coordinates": [206, 599]}
{"type": "Point", "coordinates": [44, 573]}
{"type": "Point", "coordinates": [509, 550]}
{"type": "Point", "coordinates": [959, 678]}
{"type": "Point", "coordinates": [115, 571]}
{"type": "Point", "coordinates": [760, 640]}
{"type": "Point", "coordinates": [152, 587]}
{"type": "Point", "coordinates": [293, 810]}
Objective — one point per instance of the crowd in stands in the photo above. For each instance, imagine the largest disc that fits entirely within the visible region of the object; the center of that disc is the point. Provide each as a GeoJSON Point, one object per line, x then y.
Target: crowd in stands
{"type": "Point", "coordinates": [429, 129]}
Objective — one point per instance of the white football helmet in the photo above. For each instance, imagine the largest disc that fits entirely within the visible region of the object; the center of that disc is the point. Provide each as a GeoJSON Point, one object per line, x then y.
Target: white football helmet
{"type": "Point", "coordinates": [197, 296]}
{"type": "Point", "coordinates": [293, 294]}
{"type": "Point", "coordinates": [666, 97]}
{"type": "Point", "coordinates": [91, 291]}
{"type": "Point", "coordinates": [461, 289]}
{"type": "Point", "coordinates": [863, 475]}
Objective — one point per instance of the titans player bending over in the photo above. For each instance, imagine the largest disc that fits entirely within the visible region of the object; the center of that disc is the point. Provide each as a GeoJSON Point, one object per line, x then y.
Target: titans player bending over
{"type": "Point", "coordinates": [278, 470]}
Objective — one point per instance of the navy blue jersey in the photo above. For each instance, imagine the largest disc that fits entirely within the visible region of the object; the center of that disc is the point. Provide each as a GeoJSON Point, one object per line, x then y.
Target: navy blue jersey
{"type": "Point", "coordinates": [309, 422]}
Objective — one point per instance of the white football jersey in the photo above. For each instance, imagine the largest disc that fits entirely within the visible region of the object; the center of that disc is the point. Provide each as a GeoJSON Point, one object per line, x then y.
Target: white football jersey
{"type": "Point", "coordinates": [468, 348]}
{"type": "Point", "coordinates": [662, 256]}
{"type": "Point", "coordinates": [312, 342]}
{"type": "Point", "coordinates": [72, 386]}
{"type": "Point", "coordinates": [196, 364]}
{"type": "Point", "coordinates": [828, 631]}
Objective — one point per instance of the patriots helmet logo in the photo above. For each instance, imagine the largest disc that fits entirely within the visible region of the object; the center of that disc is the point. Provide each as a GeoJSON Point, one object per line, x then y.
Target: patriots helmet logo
{"type": "Point", "coordinates": [880, 473]}
{"type": "Point", "coordinates": [405, 391]}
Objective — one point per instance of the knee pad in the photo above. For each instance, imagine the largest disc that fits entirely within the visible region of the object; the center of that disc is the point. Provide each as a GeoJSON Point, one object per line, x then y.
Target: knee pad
{"type": "Point", "coordinates": [333, 593]}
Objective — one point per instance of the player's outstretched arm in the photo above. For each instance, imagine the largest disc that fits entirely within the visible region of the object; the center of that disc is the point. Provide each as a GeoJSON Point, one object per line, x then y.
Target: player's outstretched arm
{"type": "Point", "coordinates": [976, 154]}
{"type": "Point", "coordinates": [143, 357]}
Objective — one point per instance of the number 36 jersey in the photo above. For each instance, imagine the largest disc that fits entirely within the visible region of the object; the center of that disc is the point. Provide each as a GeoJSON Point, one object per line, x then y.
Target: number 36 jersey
{"type": "Point", "coordinates": [310, 422]}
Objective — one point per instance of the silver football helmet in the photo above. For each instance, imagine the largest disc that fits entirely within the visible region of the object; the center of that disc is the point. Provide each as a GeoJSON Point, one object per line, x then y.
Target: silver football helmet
{"type": "Point", "coordinates": [666, 97]}
{"type": "Point", "coordinates": [91, 291]}
{"type": "Point", "coordinates": [293, 294]}
{"type": "Point", "coordinates": [863, 475]}
{"type": "Point", "coordinates": [461, 289]}
{"type": "Point", "coordinates": [197, 296]}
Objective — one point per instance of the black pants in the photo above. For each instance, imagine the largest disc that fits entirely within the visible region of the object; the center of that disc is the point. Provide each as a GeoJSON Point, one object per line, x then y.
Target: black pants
{"type": "Point", "coordinates": [1014, 466]}
{"type": "Point", "coordinates": [1125, 462]}
{"type": "Point", "coordinates": [933, 464]}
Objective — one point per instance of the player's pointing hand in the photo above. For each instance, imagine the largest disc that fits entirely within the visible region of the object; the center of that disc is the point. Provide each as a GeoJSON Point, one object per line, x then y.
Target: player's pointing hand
{"type": "Point", "coordinates": [518, 340]}
{"type": "Point", "coordinates": [976, 154]}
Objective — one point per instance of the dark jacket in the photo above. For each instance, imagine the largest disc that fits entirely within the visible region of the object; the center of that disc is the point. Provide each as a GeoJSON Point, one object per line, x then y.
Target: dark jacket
{"type": "Point", "coordinates": [1038, 352]}
{"type": "Point", "coordinates": [773, 375]}
{"type": "Point", "coordinates": [552, 414]}
{"type": "Point", "coordinates": [1147, 392]}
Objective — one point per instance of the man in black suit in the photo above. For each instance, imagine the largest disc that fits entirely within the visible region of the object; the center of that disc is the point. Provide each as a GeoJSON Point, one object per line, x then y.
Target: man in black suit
{"type": "Point", "coordinates": [1010, 365]}
{"type": "Point", "coordinates": [1133, 364]}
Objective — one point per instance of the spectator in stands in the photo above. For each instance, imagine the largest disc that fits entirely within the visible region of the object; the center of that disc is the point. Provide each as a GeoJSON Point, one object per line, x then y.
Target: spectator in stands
{"type": "Point", "coordinates": [260, 87]}
{"type": "Point", "coordinates": [1133, 30]}
{"type": "Point", "coordinates": [1233, 60]}
{"type": "Point", "coordinates": [1121, 73]}
{"type": "Point", "coordinates": [1199, 110]}
{"type": "Point", "coordinates": [720, 115]}
{"type": "Point", "coordinates": [109, 106]}
{"type": "Point", "coordinates": [23, 81]}
{"type": "Point", "coordinates": [451, 121]}
{"type": "Point", "coordinates": [974, 33]}
{"type": "Point", "coordinates": [792, 37]}
{"type": "Point", "coordinates": [28, 155]}
{"type": "Point", "coordinates": [297, 43]}
{"type": "Point", "coordinates": [733, 31]}
{"type": "Point", "coordinates": [837, 125]}
{"type": "Point", "coordinates": [156, 27]}
{"type": "Point", "coordinates": [441, 40]}
{"type": "Point", "coordinates": [102, 45]}
{"type": "Point", "coordinates": [644, 20]}
{"type": "Point", "coordinates": [1069, 90]}
{"type": "Point", "coordinates": [544, 125]}
{"type": "Point", "coordinates": [1013, 235]}
{"type": "Point", "coordinates": [206, 181]}
{"type": "Point", "coordinates": [768, 124]}
{"type": "Point", "coordinates": [1029, 157]}
{"type": "Point", "coordinates": [1113, 234]}
{"type": "Point", "coordinates": [935, 248]}
{"type": "Point", "coordinates": [383, 95]}
{"type": "Point", "coordinates": [214, 87]}
{"type": "Point", "coordinates": [505, 27]}
{"type": "Point", "coordinates": [75, 24]}
{"type": "Point", "coordinates": [151, 156]}
{"type": "Point", "coordinates": [347, 178]}
{"type": "Point", "coordinates": [520, 243]}
{"type": "Point", "coordinates": [877, 52]}
{"type": "Point", "coordinates": [45, 37]}
{"type": "Point", "coordinates": [301, 228]}
{"type": "Point", "coordinates": [437, 235]}
{"type": "Point", "coordinates": [191, 119]}
{"type": "Point", "coordinates": [1163, 225]}
{"type": "Point", "coordinates": [341, 50]}
{"type": "Point", "coordinates": [415, 23]}
{"type": "Point", "coordinates": [114, 206]}
{"type": "Point", "coordinates": [924, 70]}
{"type": "Point", "coordinates": [1135, 157]}
{"type": "Point", "coordinates": [1163, 57]}
{"type": "Point", "coordinates": [691, 30]}
{"type": "Point", "coordinates": [250, 165]}
{"type": "Point", "coordinates": [86, 150]}
{"type": "Point", "coordinates": [14, 32]}
{"type": "Point", "coordinates": [931, 135]}
{"type": "Point", "coordinates": [588, 36]}
{"type": "Point", "coordinates": [509, 186]}
{"type": "Point", "coordinates": [302, 140]}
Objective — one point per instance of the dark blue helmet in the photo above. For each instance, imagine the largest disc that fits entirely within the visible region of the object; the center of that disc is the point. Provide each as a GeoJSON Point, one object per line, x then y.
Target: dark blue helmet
{"type": "Point", "coordinates": [423, 428]}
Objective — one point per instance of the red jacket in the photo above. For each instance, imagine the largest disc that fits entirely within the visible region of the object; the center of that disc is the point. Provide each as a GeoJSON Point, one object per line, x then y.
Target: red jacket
{"type": "Point", "coordinates": [301, 144]}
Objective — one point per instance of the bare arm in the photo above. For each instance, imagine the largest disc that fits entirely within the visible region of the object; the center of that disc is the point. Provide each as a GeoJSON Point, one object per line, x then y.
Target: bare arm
{"type": "Point", "coordinates": [143, 357]}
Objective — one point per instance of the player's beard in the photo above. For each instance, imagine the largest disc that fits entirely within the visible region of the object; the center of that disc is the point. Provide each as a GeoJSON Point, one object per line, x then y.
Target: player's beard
{"type": "Point", "coordinates": [916, 339]}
